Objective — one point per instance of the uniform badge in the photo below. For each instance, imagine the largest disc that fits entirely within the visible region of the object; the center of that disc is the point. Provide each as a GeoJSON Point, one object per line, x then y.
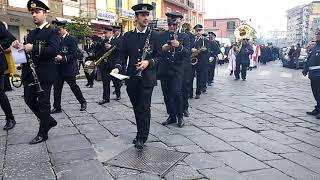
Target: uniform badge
{"type": "Point", "coordinates": [144, 8]}
{"type": "Point", "coordinates": [33, 5]}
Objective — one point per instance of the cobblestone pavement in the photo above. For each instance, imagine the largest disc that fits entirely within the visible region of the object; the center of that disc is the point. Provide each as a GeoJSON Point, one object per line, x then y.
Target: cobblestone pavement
{"type": "Point", "coordinates": [254, 130]}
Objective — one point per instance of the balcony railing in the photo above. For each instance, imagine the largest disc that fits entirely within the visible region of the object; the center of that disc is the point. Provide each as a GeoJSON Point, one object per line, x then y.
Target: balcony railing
{"type": "Point", "coordinates": [190, 4]}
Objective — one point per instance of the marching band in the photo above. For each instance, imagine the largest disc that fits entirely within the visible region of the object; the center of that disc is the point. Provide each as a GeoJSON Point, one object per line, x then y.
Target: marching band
{"type": "Point", "coordinates": [175, 57]}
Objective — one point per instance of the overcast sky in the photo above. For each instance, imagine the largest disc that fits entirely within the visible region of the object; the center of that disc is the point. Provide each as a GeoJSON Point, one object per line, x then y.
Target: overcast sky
{"type": "Point", "coordinates": [269, 14]}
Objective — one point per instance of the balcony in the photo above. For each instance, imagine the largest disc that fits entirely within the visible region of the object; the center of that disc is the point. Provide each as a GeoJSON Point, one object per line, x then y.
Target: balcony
{"type": "Point", "coordinates": [190, 4]}
{"type": "Point", "coordinates": [180, 3]}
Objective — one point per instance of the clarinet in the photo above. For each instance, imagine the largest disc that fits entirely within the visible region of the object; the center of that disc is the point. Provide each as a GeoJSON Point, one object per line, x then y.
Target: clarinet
{"type": "Point", "coordinates": [146, 48]}
{"type": "Point", "coordinates": [32, 66]}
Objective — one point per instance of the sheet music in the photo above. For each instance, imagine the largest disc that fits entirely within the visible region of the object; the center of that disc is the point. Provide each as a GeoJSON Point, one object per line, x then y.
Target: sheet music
{"type": "Point", "coordinates": [19, 57]}
{"type": "Point", "coordinates": [119, 76]}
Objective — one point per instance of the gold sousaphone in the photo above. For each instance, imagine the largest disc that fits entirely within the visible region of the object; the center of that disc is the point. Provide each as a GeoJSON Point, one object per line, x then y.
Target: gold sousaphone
{"type": "Point", "coordinates": [244, 31]}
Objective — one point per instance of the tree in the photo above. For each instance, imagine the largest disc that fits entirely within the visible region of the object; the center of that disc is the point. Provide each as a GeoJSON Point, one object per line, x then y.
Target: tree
{"type": "Point", "coordinates": [80, 27]}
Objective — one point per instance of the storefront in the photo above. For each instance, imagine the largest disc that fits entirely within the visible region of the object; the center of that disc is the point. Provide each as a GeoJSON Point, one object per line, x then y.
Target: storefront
{"type": "Point", "coordinates": [103, 19]}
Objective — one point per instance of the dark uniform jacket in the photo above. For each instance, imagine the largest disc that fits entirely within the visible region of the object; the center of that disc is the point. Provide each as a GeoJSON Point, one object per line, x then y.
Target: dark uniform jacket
{"type": "Point", "coordinates": [45, 48]}
{"type": "Point", "coordinates": [203, 57]}
{"type": "Point", "coordinates": [243, 56]}
{"type": "Point", "coordinates": [188, 66]}
{"type": "Point", "coordinates": [215, 49]}
{"type": "Point", "coordinates": [114, 58]}
{"type": "Point", "coordinates": [6, 39]}
{"type": "Point", "coordinates": [312, 65]}
{"type": "Point", "coordinates": [68, 67]}
{"type": "Point", "coordinates": [172, 63]}
{"type": "Point", "coordinates": [91, 49]}
{"type": "Point", "coordinates": [132, 47]}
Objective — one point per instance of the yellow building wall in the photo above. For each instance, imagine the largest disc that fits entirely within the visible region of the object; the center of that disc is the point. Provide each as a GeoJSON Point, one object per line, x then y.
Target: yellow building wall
{"type": "Point", "coordinates": [111, 6]}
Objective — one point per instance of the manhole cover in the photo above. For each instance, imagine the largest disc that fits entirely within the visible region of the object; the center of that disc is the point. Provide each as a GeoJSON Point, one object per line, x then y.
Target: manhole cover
{"type": "Point", "coordinates": [150, 159]}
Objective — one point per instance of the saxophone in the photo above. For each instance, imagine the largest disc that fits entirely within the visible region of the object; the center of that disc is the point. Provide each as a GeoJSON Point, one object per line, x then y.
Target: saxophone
{"type": "Point", "coordinates": [194, 59]}
{"type": "Point", "coordinates": [105, 56]}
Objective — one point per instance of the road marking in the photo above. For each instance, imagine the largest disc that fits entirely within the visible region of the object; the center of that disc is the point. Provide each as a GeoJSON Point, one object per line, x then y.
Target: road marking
{"type": "Point", "coordinates": [264, 73]}
{"type": "Point", "coordinates": [286, 75]}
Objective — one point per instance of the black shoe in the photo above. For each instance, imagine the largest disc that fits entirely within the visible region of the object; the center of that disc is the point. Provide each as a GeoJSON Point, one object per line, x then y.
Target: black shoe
{"type": "Point", "coordinates": [9, 124]}
{"type": "Point", "coordinates": [204, 91]}
{"type": "Point", "coordinates": [135, 140]}
{"type": "Point", "coordinates": [209, 84]}
{"type": "Point", "coordinates": [190, 96]}
{"type": "Point", "coordinates": [244, 79]}
{"type": "Point", "coordinates": [236, 79]}
{"type": "Point", "coordinates": [83, 106]}
{"type": "Point", "coordinates": [118, 98]}
{"type": "Point", "coordinates": [87, 84]}
{"type": "Point", "coordinates": [231, 73]}
{"type": "Point", "coordinates": [318, 116]}
{"type": "Point", "coordinates": [180, 122]}
{"type": "Point", "coordinates": [104, 101]}
{"type": "Point", "coordinates": [170, 120]}
{"type": "Point", "coordinates": [197, 96]}
{"type": "Point", "coordinates": [186, 113]}
{"type": "Point", "coordinates": [38, 139]}
{"type": "Point", "coordinates": [313, 113]}
{"type": "Point", "coordinates": [90, 86]}
{"type": "Point", "coordinates": [139, 144]}
{"type": "Point", "coordinates": [114, 92]}
{"type": "Point", "coordinates": [56, 110]}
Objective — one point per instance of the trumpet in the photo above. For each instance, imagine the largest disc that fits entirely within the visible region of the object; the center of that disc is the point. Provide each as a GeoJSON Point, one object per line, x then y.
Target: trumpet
{"type": "Point", "coordinates": [105, 56]}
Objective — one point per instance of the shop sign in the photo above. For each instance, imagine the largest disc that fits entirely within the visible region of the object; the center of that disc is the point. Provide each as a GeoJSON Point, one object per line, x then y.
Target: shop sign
{"type": "Point", "coordinates": [106, 15]}
{"type": "Point", "coordinates": [127, 13]}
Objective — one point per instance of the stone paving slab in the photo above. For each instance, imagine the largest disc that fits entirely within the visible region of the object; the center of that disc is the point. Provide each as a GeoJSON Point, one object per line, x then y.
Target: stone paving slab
{"type": "Point", "coordinates": [222, 173]}
{"type": "Point", "coordinates": [235, 160]}
{"type": "Point", "coordinates": [210, 143]}
{"type": "Point", "coordinates": [266, 174]}
{"type": "Point", "coordinates": [67, 143]}
{"type": "Point", "coordinates": [203, 161]}
{"type": "Point", "coordinates": [294, 170]}
{"type": "Point", "coordinates": [91, 169]}
{"type": "Point", "coordinates": [255, 151]}
{"type": "Point", "coordinates": [260, 122]}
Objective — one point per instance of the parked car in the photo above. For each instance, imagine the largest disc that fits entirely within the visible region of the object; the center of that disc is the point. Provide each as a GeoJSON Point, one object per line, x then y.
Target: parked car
{"type": "Point", "coordinates": [286, 61]}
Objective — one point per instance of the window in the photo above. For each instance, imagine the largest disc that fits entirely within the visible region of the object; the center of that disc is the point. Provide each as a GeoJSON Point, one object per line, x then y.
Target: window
{"type": "Point", "coordinates": [231, 25]}
{"type": "Point", "coordinates": [75, 0]}
{"type": "Point", "coordinates": [140, 1]}
{"type": "Point", "coordinates": [168, 9]}
{"type": "Point", "coordinates": [154, 11]}
{"type": "Point", "coordinates": [119, 3]}
{"type": "Point", "coordinates": [214, 23]}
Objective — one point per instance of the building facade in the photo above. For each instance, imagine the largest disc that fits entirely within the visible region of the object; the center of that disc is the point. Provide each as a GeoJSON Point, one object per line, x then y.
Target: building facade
{"type": "Point", "coordinates": [223, 28]}
{"type": "Point", "coordinates": [101, 12]}
{"type": "Point", "coordinates": [192, 10]}
{"type": "Point", "coordinates": [302, 22]}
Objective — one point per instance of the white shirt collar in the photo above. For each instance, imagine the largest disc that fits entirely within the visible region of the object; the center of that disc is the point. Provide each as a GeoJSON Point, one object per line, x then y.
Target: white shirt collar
{"type": "Point", "coordinates": [144, 31]}
{"type": "Point", "coordinates": [65, 34]}
{"type": "Point", "coordinates": [42, 25]}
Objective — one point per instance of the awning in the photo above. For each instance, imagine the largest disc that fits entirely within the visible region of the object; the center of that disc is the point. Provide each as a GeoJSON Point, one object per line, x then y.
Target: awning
{"type": "Point", "coordinates": [63, 19]}
{"type": "Point", "coordinates": [99, 22]}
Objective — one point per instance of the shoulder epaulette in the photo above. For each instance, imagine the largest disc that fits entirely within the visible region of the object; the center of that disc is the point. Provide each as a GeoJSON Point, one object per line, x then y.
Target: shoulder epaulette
{"type": "Point", "coordinates": [47, 26]}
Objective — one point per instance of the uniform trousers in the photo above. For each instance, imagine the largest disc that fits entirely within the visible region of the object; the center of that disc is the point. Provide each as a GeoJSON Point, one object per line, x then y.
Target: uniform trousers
{"type": "Point", "coordinates": [172, 91]}
{"type": "Point", "coordinates": [201, 72]}
{"type": "Point", "coordinates": [140, 97]}
{"type": "Point", "coordinates": [241, 67]}
{"type": "Point", "coordinates": [39, 103]}
{"type": "Point", "coordinates": [57, 90]}
{"type": "Point", "coordinates": [105, 70]}
{"type": "Point", "coordinates": [4, 101]}
{"type": "Point", "coordinates": [315, 86]}
{"type": "Point", "coordinates": [211, 71]}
